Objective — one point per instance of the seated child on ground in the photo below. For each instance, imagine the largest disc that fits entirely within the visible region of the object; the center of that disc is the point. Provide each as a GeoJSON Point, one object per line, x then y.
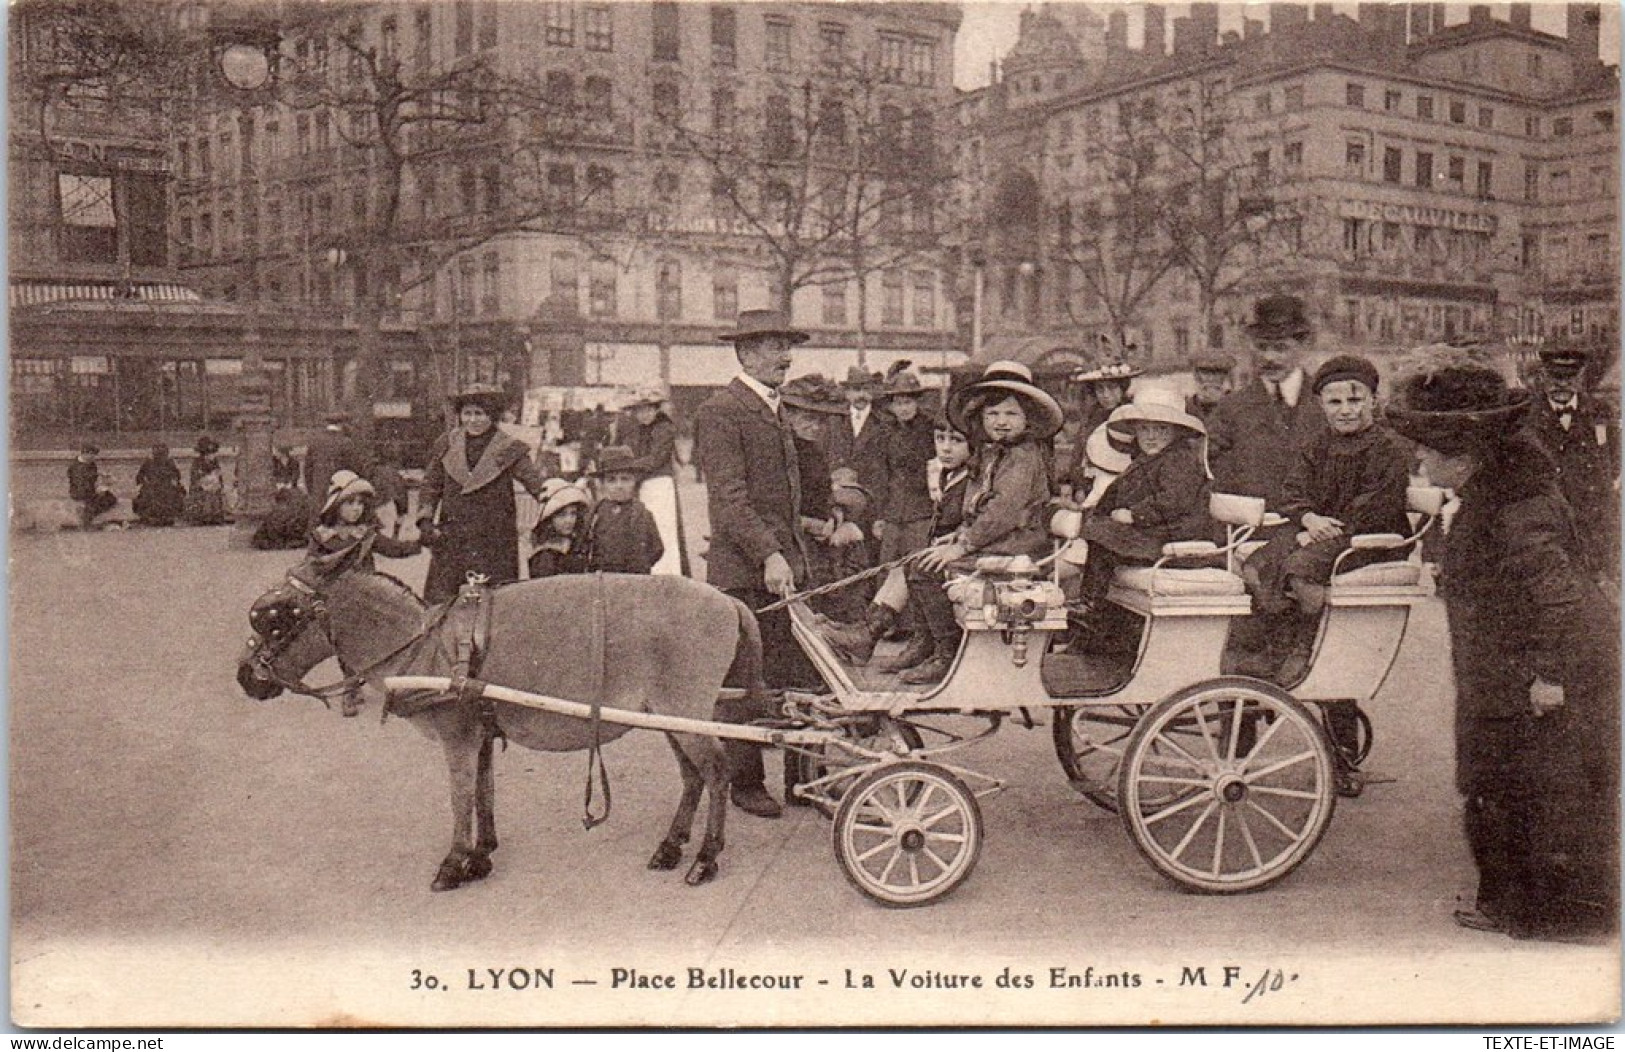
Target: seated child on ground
{"type": "Point", "coordinates": [1161, 496]}
{"type": "Point", "coordinates": [558, 540]}
{"type": "Point", "coordinates": [622, 535]}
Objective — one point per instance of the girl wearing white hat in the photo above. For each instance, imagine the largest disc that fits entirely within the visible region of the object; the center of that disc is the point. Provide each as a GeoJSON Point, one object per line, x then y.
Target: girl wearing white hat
{"type": "Point", "coordinates": [1161, 496]}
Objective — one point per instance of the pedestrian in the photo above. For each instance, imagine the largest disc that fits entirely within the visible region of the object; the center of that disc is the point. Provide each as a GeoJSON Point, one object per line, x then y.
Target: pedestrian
{"type": "Point", "coordinates": [1009, 421]}
{"type": "Point", "coordinates": [85, 488]}
{"type": "Point", "coordinates": [159, 496]}
{"type": "Point", "coordinates": [1255, 431]}
{"type": "Point", "coordinates": [859, 442]}
{"type": "Point", "coordinates": [287, 525]}
{"type": "Point", "coordinates": [1212, 372]}
{"type": "Point", "coordinates": [753, 494]}
{"type": "Point", "coordinates": [286, 471]}
{"type": "Point", "coordinates": [1102, 390]}
{"type": "Point", "coordinates": [1582, 434]}
{"type": "Point", "coordinates": [334, 449]}
{"type": "Point", "coordinates": [1535, 649]}
{"type": "Point", "coordinates": [466, 513]}
{"type": "Point", "coordinates": [652, 438]}
{"type": "Point", "coordinates": [622, 536]}
{"type": "Point", "coordinates": [559, 539]}
{"type": "Point", "coordinates": [206, 491]}
{"type": "Point", "coordinates": [810, 405]}
{"type": "Point", "coordinates": [391, 496]}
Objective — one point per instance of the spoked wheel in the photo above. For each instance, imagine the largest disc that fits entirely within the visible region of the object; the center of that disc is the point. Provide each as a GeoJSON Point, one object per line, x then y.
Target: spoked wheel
{"type": "Point", "coordinates": [1090, 741]}
{"type": "Point", "coordinates": [880, 734]}
{"type": "Point", "coordinates": [1252, 775]}
{"type": "Point", "coordinates": [908, 833]}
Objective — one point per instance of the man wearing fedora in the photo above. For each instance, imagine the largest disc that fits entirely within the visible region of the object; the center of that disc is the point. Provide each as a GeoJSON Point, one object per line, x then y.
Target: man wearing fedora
{"type": "Point", "coordinates": [859, 441]}
{"type": "Point", "coordinates": [467, 514]}
{"type": "Point", "coordinates": [753, 492]}
{"type": "Point", "coordinates": [1582, 436]}
{"type": "Point", "coordinates": [335, 449]}
{"type": "Point", "coordinates": [1254, 432]}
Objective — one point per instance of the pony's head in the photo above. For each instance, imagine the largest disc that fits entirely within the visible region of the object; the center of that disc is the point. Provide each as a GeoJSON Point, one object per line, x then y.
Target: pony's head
{"type": "Point", "coordinates": [290, 636]}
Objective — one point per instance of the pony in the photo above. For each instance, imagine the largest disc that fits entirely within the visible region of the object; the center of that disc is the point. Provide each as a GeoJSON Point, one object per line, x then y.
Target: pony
{"type": "Point", "coordinates": [658, 645]}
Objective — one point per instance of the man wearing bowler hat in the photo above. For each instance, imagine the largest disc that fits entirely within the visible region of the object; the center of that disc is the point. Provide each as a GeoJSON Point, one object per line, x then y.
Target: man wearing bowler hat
{"type": "Point", "coordinates": [1254, 432]}
{"type": "Point", "coordinates": [1582, 435]}
{"type": "Point", "coordinates": [753, 492]}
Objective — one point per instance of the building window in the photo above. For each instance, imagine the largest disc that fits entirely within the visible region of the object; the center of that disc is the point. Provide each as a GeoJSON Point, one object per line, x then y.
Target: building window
{"type": "Point", "coordinates": [1294, 97]}
{"type": "Point", "coordinates": [468, 191]}
{"type": "Point", "coordinates": [1390, 238]}
{"type": "Point", "coordinates": [667, 101]}
{"type": "Point", "coordinates": [1531, 180]}
{"type": "Point", "coordinates": [561, 186]}
{"type": "Point", "coordinates": [1458, 111]}
{"type": "Point", "coordinates": [1456, 173]}
{"type": "Point", "coordinates": [1534, 64]}
{"type": "Point", "coordinates": [1486, 117]}
{"type": "Point", "coordinates": [1354, 159]}
{"type": "Point", "coordinates": [1391, 163]}
{"type": "Point", "coordinates": [1391, 100]}
{"type": "Point", "coordinates": [723, 113]}
{"type": "Point", "coordinates": [723, 24]}
{"type": "Point", "coordinates": [893, 58]}
{"type": "Point", "coordinates": [601, 290]}
{"type": "Point", "coordinates": [1424, 107]}
{"type": "Point", "coordinates": [1604, 119]}
{"type": "Point", "coordinates": [668, 290]}
{"type": "Point", "coordinates": [1485, 180]}
{"type": "Point", "coordinates": [778, 129]}
{"type": "Point", "coordinates": [666, 30]}
{"type": "Point", "coordinates": [1292, 155]}
{"type": "Point", "coordinates": [1424, 171]}
{"type": "Point", "coordinates": [598, 104]}
{"type": "Point", "coordinates": [891, 302]}
{"type": "Point", "coordinates": [922, 63]}
{"type": "Point", "coordinates": [600, 188]}
{"type": "Point", "coordinates": [925, 299]}
{"type": "Point", "coordinates": [1355, 95]}
{"type": "Point", "coordinates": [491, 284]}
{"type": "Point", "coordinates": [463, 43]}
{"type": "Point", "coordinates": [778, 43]}
{"type": "Point", "coordinates": [725, 292]}
{"type": "Point", "coordinates": [1562, 127]}
{"type": "Point", "coordinates": [599, 23]}
{"type": "Point", "coordinates": [1261, 104]}
{"type": "Point", "coordinates": [564, 283]}
{"type": "Point", "coordinates": [423, 37]}
{"type": "Point", "coordinates": [835, 303]}
{"type": "Point", "coordinates": [559, 23]}
{"type": "Point", "coordinates": [1531, 126]}
{"type": "Point", "coordinates": [462, 290]}
{"type": "Point", "coordinates": [1261, 164]}
{"type": "Point", "coordinates": [1352, 230]}
{"type": "Point", "coordinates": [832, 44]}
{"type": "Point", "coordinates": [1560, 184]}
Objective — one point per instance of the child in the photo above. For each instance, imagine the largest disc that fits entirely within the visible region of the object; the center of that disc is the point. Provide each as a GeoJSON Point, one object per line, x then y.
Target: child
{"type": "Point", "coordinates": [1008, 419]}
{"type": "Point", "coordinates": [84, 486]}
{"type": "Point", "coordinates": [559, 536]}
{"type": "Point", "coordinates": [348, 524]}
{"type": "Point", "coordinates": [1161, 496]}
{"type": "Point", "coordinates": [622, 536]}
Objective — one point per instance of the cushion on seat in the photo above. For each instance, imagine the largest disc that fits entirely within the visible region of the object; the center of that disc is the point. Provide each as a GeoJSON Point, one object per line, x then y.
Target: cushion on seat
{"type": "Point", "coordinates": [1202, 581]}
{"type": "Point", "coordinates": [1381, 575]}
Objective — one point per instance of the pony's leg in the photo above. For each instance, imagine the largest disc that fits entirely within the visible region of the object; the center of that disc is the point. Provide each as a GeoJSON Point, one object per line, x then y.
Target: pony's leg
{"type": "Point", "coordinates": [457, 727]}
{"type": "Point", "coordinates": [485, 800]}
{"type": "Point", "coordinates": [670, 851]}
{"type": "Point", "coordinates": [707, 754]}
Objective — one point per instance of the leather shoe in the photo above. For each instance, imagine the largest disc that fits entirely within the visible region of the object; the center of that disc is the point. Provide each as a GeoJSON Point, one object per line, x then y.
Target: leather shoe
{"type": "Point", "coordinates": [1477, 920]}
{"type": "Point", "coordinates": [755, 800]}
{"type": "Point", "coordinates": [920, 647]}
{"type": "Point", "coordinates": [933, 670]}
{"type": "Point", "coordinates": [853, 644]}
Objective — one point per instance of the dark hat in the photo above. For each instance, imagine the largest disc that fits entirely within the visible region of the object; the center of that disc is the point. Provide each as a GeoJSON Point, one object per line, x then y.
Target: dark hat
{"type": "Point", "coordinates": [90, 449]}
{"type": "Point", "coordinates": [900, 381]}
{"type": "Point", "coordinates": [763, 323]}
{"type": "Point", "coordinates": [1563, 360]}
{"type": "Point", "coordinates": [1279, 317]}
{"type": "Point", "coordinates": [489, 397]}
{"type": "Point", "coordinates": [1345, 367]}
{"type": "Point", "coordinates": [1447, 399]}
{"type": "Point", "coordinates": [617, 460]}
{"type": "Point", "coordinates": [1007, 378]}
{"type": "Point", "coordinates": [860, 379]}
{"type": "Point", "coordinates": [205, 446]}
{"type": "Point", "coordinates": [944, 422]}
{"type": "Point", "coordinates": [814, 393]}
{"type": "Point", "coordinates": [1212, 362]}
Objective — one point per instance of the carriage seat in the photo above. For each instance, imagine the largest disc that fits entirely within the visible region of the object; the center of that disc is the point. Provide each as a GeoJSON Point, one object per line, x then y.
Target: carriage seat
{"type": "Point", "coordinates": [1399, 577]}
{"type": "Point", "coordinates": [1240, 515]}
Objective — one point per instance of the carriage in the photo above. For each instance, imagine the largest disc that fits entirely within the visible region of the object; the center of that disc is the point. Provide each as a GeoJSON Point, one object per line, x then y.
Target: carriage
{"type": "Point", "coordinates": [1225, 783]}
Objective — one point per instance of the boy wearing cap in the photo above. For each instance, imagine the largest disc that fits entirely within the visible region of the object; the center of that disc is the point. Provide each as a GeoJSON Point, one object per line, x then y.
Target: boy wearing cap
{"type": "Point", "coordinates": [622, 536]}
{"type": "Point", "coordinates": [1211, 372]}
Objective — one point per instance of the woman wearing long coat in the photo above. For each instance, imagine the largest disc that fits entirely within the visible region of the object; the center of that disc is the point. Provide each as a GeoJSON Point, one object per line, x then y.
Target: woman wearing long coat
{"type": "Point", "coordinates": [159, 496]}
{"type": "Point", "coordinates": [652, 437]}
{"type": "Point", "coordinates": [1535, 652]}
{"type": "Point", "coordinates": [469, 515]}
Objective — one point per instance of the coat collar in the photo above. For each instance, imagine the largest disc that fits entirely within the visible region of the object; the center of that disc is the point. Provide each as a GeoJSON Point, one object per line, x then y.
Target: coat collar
{"type": "Point", "coordinates": [752, 400]}
{"type": "Point", "coordinates": [486, 471]}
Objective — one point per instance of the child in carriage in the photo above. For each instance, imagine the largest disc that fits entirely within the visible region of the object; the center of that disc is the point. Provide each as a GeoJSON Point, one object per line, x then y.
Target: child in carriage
{"type": "Point", "coordinates": [1161, 496]}
{"type": "Point", "coordinates": [558, 540]}
{"type": "Point", "coordinates": [1008, 420]}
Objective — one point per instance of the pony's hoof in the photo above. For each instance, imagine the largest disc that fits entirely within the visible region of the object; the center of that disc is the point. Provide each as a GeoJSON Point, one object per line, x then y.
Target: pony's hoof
{"type": "Point", "coordinates": [454, 873]}
{"type": "Point", "coordinates": [701, 872]}
{"type": "Point", "coordinates": [666, 856]}
{"type": "Point", "coordinates": [478, 867]}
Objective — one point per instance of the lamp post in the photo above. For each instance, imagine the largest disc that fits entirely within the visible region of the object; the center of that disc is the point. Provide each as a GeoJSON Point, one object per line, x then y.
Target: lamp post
{"type": "Point", "coordinates": [978, 263]}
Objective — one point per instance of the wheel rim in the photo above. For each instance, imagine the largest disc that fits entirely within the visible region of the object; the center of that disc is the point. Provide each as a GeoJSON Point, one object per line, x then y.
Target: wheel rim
{"type": "Point", "coordinates": [1091, 743]}
{"type": "Point", "coordinates": [887, 734]}
{"type": "Point", "coordinates": [908, 834]}
{"type": "Point", "coordinates": [1227, 788]}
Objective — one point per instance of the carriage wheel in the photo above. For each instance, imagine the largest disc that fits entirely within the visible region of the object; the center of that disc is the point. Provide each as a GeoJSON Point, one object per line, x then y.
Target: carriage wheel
{"type": "Point", "coordinates": [881, 733]}
{"type": "Point", "coordinates": [1090, 741]}
{"type": "Point", "coordinates": [1251, 771]}
{"type": "Point", "coordinates": [908, 833]}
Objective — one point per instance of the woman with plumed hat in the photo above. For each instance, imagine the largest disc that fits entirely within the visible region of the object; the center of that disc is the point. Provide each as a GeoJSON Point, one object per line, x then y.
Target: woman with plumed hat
{"type": "Point", "coordinates": [1104, 388]}
{"type": "Point", "coordinates": [1534, 646]}
{"type": "Point", "coordinates": [468, 515]}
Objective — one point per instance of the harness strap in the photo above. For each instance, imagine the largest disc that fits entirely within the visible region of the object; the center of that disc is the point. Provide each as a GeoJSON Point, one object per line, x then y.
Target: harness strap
{"type": "Point", "coordinates": [598, 630]}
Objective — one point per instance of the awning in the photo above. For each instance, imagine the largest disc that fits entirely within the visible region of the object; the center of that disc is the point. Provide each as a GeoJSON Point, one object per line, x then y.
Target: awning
{"type": "Point", "coordinates": [29, 293]}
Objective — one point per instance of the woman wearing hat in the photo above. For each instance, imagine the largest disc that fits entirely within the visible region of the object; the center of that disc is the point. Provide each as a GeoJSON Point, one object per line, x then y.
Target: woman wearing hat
{"type": "Point", "coordinates": [1534, 645]}
{"type": "Point", "coordinates": [467, 505]}
{"type": "Point", "coordinates": [1161, 496]}
{"type": "Point", "coordinates": [1008, 419]}
{"type": "Point", "coordinates": [206, 496]}
{"type": "Point", "coordinates": [652, 438]}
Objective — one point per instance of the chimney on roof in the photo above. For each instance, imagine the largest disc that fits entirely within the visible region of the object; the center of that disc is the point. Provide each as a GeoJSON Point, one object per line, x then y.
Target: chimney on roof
{"type": "Point", "coordinates": [1156, 32]}
{"type": "Point", "coordinates": [1116, 34]}
{"type": "Point", "coordinates": [1184, 39]}
{"type": "Point", "coordinates": [1522, 15]}
{"type": "Point", "coordinates": [1323, 12]}
{"type": "Point", "coordinates": [1421, 20]}
{"type": "Point", "coordinates": [1204, 23]}
{"type": "Point", "coordinates": [1478, 14]}
{"type": "Point", "coordinates": [1584, 30]}
{"type": "Point", "coordinates": [1252, 28]}
{"type": "Point", "coordinates": [1282, 15]}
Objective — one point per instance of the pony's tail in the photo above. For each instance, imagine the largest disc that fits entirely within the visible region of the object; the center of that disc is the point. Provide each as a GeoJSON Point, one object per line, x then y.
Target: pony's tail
{"type": "Point", "coordinates": [748, 661]}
